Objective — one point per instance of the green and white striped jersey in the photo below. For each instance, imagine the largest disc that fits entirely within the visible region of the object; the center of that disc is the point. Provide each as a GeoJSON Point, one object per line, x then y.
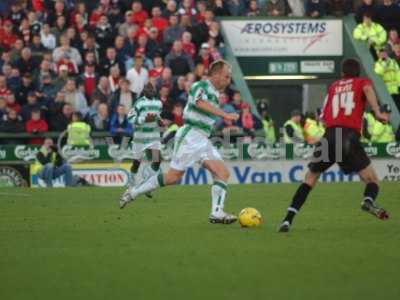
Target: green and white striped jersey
{"type": "Point", "coordinates": [145, 132]}
{"type": "Point", "coordinates": [195, 117]}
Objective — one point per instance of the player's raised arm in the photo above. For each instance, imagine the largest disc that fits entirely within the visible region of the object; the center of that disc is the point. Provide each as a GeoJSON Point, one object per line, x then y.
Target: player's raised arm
{"type": "Point", "coordinates": [373, 102]}
{"type": "Point", "coordinates": [209, 108]}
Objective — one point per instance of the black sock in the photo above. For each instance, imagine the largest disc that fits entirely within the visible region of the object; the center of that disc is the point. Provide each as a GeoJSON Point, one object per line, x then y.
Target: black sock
{"type": "Point", "coordinates": [371, 192]}
{"type": "Point", "coordinates": [298, 200]}
{"type": "Point", "coordinates": [135, 166]}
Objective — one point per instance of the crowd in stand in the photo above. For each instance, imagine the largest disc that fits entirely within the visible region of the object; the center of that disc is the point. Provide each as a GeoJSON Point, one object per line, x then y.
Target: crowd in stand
{"type": "Point", "coordinates": [379, 27]}
{"type": "Point", "coordinates": [60, 57]}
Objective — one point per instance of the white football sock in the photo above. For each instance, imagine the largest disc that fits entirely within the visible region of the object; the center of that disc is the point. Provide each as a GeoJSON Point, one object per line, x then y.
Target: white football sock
{"type": "Point", "coordinates": [218, 192]}
{"type": "Point", "coordinates": [149, 185]}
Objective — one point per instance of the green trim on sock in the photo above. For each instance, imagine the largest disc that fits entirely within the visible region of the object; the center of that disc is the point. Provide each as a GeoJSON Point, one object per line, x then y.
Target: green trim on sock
{"type": "Point", "coordinates": [155, 167]}
{"type": "Point", "coordinates": [160, 179]}
{"type": "Point", "coordinates": [221, 184]}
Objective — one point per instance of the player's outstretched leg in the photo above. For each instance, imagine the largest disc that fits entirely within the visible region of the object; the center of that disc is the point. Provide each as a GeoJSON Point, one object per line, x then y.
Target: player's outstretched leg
{"type": "Point", "coordinates": [298, 200]}
{"type": "Point", "coordinates": [371, 191]}
{"type": "Point", "coordinates": [134, 170]}
{"type": "Point", "coordinates": [218, 193]}
{"type": "Point", "coordinates": [154, 167]}
{"type": "Point", "coordinates": [154, 182]}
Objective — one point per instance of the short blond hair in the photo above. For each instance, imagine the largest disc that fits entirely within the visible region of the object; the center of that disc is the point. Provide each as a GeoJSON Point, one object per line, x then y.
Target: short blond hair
{"type": "Point", "coordinates": [217, 66]}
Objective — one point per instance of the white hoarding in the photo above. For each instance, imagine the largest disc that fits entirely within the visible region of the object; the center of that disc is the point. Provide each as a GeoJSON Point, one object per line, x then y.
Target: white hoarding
{"type": "Point", "coordinates": [242, 172]}
{"type": "Point", "coordinates": [292, 37]}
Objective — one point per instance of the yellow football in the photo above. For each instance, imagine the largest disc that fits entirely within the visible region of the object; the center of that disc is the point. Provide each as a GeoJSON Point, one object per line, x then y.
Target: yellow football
{"type": "Point", "coordinates": [250, 217]}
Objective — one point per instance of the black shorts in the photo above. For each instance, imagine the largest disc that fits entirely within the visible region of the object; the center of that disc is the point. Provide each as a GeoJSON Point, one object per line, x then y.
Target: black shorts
{"type": "Point", "coordinates": [342, 146]}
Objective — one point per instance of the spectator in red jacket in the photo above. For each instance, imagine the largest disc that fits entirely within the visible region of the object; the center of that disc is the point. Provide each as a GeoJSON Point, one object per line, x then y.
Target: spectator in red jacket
{"type": "Point", "coordinates": [139, 15]}
{"type": "Point", "coordinates": [36, 125]}
{"type": "Point", "coordinates": [188, 47]}
{"type": "Point", "coordinates": [158, 20]}
{"type": "Point", "coordinates": [158, 67]}
{"type": "Point", "coordinates": [7, 37]}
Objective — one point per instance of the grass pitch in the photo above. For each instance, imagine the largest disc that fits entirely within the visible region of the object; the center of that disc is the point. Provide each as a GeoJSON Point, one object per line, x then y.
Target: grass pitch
{"type": "Point", "coordinates": [76, 244]}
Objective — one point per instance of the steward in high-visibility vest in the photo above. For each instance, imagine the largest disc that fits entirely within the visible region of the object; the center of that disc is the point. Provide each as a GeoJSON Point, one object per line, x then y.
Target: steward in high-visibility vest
{"type": "Point", "coordinates": [368, 124]}
{"type": "Point", "coordinates": [293, 131]}
{"type": "Point", "coordinates": [370, 32]}
{"type": "Point", "coordinates": [388, 69]}
{"type": "Point", "coordinates": [383, 132]}
{"type": "Point", "coordinates": [78, 131]}
{"type": "Point", "coordinates": [313, 130]}
{"type": "Point", "coordinates": [269, 130]}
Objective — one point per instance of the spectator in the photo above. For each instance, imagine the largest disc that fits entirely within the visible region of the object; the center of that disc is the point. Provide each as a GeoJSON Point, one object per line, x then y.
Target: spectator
{"type": "Point", "coordinates": [158, 20]}
{"type": "Point", "coordinates": [367, 6]}
{"type": "Point", "coordinates": [393, 40]}
{"type": "Point", "coordinates": [119, 126]}
{"type": "Point", "coordinates": [296, 8]}
{"type": "Point", "coordinates": [67, 52]}
{"type": "Point", "coordinates": [32, 104]}
{"type": "Point", "coordinates": [293, 131]}
{"type": "Point", "coordinates": [382, 132]}
{"type": "Point", "coordinates": [371, 33]}
{"type": "Point", "coordinates": [137, 76]}
{"type": "Point", "coordinates": [247, 121]}
{"type": "Point", "coordinates": [313, 130]}
{"type": "Point", "coordinates": [51, 165]}
{"type": "Point", "coordinates": [100, 121]}
{"type": "Point", "coordinates": [59, 121]}
{"type": "Point", "coordinates": [188, 47]}
{"type": "Point", "coordinates": [102, 93]}
{"type": "Point", "coordinates": [58, 11]}
{"type": "Point", "coordinates": [26, 86]}
{"type": "Point", "coordinates": [123, 96]}
{"type": "Point", "coordinates": [139, 15]}
{"type": "Point", "coordinates": [388, 14]}
{"type": "Point", "coordinates": [339, 8]}
{"type": "Point", "coordinates": [173, 32]}
{"type": "Point", "coordinates": [26, 64]}
{"type": "Point", "coordinates": [3, 109]}
{"type": "Point", "coordinates": [267, 123]}
{"type": "Point", "coordinates": [220, 8]}
{"type": "Point", "coordinates": [110, 60]}
{"type": "Point", "coordinates": [12, 124]}
{"type": "Point", "coordinates": [7, 36]}
{"type": "Point", "coordinates": [158, 68]}
{"type": "Point", "coordinates": [123, 28]}
{"type": "Point", "coordinates": [396, 53]}
{"type": "Point", "coordinates": [89, 80]}
{"type": "Point", "coordinates": [177, 114]}
{"type": "Point", "coordinates": [36, 125]}
{"type": "Point", "coordinates": [204, 56]}
{"type": "Point", "coordinates": [179, 88]}
{"type": "Point", "coordinates": [170, 9]}
{"type": "Point", "coordinates": [165, 79]}
{"type": "Point", "coordinates": [275, 8]}
{"type": "Point", "coordinates": [59, 28]}
{"type": "Point", "coordinates": [4, 90]}
{"type": "Point", "coordinates": [47, 88]}
{"type": "Point", "coordinates": [315, 8]}
{"type": "Point", "coordinates": [253, 10]}
{"type": "Point", "coordinates": [179, 62]}
{"type": "Point", "coordinates": [103, 33]}
{"type": "Point", "coordinates": [388, 69]}
{"type": "Point", "coordinates": [12, 104]}
{"type": "Point", "coordinates": [78, 131]}
{"type": "Point", "coordinates": [75, 98]}
{"type": "Point", "coordinates": [114, 78]}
